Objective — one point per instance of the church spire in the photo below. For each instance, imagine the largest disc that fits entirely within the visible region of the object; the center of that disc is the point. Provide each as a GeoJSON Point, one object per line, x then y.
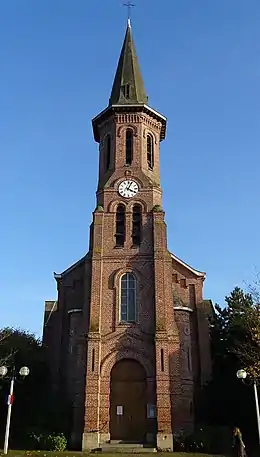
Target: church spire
{"type": "Point", "coordinates": [128, 87]}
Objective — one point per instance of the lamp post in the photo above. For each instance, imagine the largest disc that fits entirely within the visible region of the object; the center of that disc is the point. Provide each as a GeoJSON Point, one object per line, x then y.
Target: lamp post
{"type": "Point", "coordinates": [242, 374]}
{"type": "Point", "coordinates": [24, 371]}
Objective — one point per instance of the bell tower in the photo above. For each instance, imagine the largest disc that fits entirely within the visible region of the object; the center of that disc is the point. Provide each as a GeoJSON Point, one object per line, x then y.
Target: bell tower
{"type": "Point", "coordinates": [131, 305]}
{"type": "Point", "coordinates": [129, 133]}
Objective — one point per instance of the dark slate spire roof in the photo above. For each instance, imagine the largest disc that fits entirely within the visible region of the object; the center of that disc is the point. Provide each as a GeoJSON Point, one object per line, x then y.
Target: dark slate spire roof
{"type": "Point", "coordinates": [128, 87]}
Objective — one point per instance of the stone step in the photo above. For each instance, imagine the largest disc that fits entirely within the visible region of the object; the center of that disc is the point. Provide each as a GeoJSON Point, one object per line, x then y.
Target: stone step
{"type": "Point", "coordinates": [115, 443]}
{"type": "Point", "coordinates": [126, 449]}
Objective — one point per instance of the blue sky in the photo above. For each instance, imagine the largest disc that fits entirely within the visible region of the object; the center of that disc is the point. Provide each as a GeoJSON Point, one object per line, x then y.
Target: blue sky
{"type": "Point", "coordinates": [200, 63]}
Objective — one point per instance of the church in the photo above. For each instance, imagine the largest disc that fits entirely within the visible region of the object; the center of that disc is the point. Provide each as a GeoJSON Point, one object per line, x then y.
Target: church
{"type": "Point", "coordinates": [128, 336]}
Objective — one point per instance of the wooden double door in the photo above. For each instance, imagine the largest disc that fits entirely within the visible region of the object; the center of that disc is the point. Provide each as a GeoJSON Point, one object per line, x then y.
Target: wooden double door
{"type": "Point", "coordinates": [128, 415]}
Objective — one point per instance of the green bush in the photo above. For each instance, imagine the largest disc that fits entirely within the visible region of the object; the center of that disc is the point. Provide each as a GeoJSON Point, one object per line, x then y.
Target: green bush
{"type": "Point", "coordinates": [183, 442]}
{"type": "Point", "coordinates": [210, 440]}
{"type": "Point", "coordinates": [48, 442]}
{"type": "Point", "coordinates": [35, 440]}
{"type": "Point", "coordinates": [56, 442]}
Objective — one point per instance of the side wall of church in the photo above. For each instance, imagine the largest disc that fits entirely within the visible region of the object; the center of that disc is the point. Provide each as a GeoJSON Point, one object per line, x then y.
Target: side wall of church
{"type": "Point", "coordinates": [192, 314]}
{"type": "Point", "coordinates": [65, 338]}
{"type": "Point", "coordinates": [52, 339]}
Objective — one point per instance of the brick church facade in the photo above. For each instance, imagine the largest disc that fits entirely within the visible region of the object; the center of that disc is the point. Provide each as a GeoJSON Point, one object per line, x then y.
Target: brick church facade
{"type": "Point", "coordinates": [128, 337]}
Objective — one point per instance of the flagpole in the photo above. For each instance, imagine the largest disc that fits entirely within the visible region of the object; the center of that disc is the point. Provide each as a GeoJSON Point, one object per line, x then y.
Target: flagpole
{"type": "Point", "coordinates": [9, 411]}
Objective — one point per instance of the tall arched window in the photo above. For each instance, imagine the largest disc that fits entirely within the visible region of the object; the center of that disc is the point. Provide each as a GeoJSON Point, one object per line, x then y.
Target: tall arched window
{"type": "Point", "coordinates": [137, 225]}
{"type": "Point", "coordinates": [120, 225]}
{"type": "Point", "coordinates": [107, 152]}
{"type": "Point", "coordinates": [128, 146]}
{"type": "Point", "coordinates": [150, 151]}
{"type": "Point", "coordinates": [128, 298]}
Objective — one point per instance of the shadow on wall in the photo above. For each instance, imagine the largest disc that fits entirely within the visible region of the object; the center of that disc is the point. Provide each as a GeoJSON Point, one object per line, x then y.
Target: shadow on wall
{"type": "Point", "coordinates": [175, 392]}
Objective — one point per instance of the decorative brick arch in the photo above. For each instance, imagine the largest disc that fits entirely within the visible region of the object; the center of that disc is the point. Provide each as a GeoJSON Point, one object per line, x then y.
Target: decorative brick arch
{"type": "Point", "coordinates": [126, 127]}
{"type": "Point", "coordinates": [114, 204]}
{"type": "Point", "coordinates": [127, 353]}
{"type": "Point", "coordinates": [103, 140]}
{"type": "Point", "coordinates": [140, 202]}
{"type": "Point", "coordinates": [121, 271]}
{"type": "Point", "coordinates": [147, 131]}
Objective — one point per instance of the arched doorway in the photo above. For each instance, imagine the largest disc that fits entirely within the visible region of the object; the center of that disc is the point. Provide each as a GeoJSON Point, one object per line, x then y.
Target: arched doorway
{"type": "Point", "coordinates": [128, 401]}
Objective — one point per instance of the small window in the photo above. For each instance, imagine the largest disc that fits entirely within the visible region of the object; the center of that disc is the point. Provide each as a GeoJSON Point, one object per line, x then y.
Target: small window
{"type": "Point", "coordinates": [189, 359]}
{"type": "Point", "coordinates": [175, 278]}
{"type": "Point", "coordinates": [128, 147]}
{"type": "Point", "coordinates": [126, 90]}
{"type": "Point", "coordinates": [128, 298]}
{"type": "Point", "coordinates": [150, 151]}
{"type": "Point", "coordinates": [162, 360]}
{"type": "Point", "coordinates": [120, 226]}
{"type": "Point", "coordinates": [183, 282]}
{"type": "Point", "coordinates": [93, 360]}
{"type": "Point", "coordinates": [137, 225]}
{"type": "Point", "coordinates": [108, 152]}
{"type": "Point", "coordinates": [192, 295]}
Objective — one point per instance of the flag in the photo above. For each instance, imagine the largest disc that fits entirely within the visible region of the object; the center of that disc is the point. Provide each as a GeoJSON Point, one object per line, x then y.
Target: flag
{"type": "Point", "coordinates": [10, 399]}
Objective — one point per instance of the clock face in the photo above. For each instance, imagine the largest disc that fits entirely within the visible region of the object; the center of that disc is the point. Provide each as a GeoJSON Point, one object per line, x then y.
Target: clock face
{"type": "Point", "coordinates": [128, 188]}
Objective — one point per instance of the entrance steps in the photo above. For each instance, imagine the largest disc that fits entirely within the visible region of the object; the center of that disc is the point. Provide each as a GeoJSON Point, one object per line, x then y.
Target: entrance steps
{"type": "Point", "coordinates": [126, 448]}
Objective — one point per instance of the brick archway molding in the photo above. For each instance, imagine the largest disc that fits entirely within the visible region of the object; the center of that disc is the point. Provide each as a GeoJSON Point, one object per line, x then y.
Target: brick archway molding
{"type": "Point", "coordinates": [116, 356]}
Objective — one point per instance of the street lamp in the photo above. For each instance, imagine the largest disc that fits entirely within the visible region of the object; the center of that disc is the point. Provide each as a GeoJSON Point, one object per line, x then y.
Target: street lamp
{"type": "Point", "coordinates": [24, 371]}
{"type": "Point", "coordinates": [242, 374]}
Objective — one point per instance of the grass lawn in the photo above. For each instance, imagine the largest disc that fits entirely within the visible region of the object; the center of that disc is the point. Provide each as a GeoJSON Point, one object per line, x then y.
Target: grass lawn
{"type": "Point", "coordinates": [82, 454]}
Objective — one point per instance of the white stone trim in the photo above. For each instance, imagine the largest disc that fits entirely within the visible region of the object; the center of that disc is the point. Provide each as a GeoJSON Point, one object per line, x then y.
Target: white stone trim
{"type": "Point", "coordinates": [74, 310]}
{"type": "Point", "coordinates": [156, 112]}
{"type": "Point", "coordinates": [57, 275]}
{"type": "Point", "coordinates": [65, 272]}
{"type": "Point", "coordinates": [196, 272]}
{"type": "Point", "coordinates": [183, 308]}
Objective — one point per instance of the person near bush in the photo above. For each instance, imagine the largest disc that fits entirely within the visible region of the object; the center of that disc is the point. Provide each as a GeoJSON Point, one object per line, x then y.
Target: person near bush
{"type": "Point", "coordinates": [238, 444]}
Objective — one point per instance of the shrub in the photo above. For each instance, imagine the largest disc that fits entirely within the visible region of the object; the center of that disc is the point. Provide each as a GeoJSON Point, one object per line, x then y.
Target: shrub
{"type": "Point", "coordinates": [216, 440]}
{"type": "Point", "coordinates": [56, 442]}
{"type": "Point", "coordinates": [48, 442]}
{"type": "Point", "coordinates": [35, 440]}
{"type": "Point", "coordinates": [188, 443]}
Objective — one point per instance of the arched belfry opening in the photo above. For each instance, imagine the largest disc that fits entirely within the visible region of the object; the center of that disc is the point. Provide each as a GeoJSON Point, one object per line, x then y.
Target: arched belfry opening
{"type": "Point", "coordinates": [128, 401]}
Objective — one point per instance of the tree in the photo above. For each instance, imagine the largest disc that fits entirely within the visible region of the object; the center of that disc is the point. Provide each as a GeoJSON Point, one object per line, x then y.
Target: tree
{"type": "Point", "coordinates": [34, 409]}
{"type": "Point", "coordinates": [19, 348]}
{"type": "Point", "coordinates": [4, 334]}
{"type": "Point", "coordinates": [234, 346]}
{"type": "Point", "coordinates": [249, 351]}
{"type": "Point", "coordinates": [239, 322]}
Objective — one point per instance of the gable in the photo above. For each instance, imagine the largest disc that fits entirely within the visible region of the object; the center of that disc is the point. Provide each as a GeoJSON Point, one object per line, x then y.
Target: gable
{"type": "Point", "coordinates": [69, 270]}
{"type": "Point", "coordinates": [185, 269]}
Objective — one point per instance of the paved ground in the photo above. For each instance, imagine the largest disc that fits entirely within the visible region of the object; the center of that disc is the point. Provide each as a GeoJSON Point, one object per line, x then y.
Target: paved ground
{"type": "Point", "coordinates": [81, 454]}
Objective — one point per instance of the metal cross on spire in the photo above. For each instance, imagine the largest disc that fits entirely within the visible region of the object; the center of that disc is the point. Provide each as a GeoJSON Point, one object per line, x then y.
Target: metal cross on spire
{"type": "Point", "coordinates": [129, 6]}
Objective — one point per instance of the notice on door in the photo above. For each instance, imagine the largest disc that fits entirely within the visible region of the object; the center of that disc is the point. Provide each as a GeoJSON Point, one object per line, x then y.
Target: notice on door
{"type": "Point", "coordinates": [119, 410]}
{"type": "Point", "coordinates": [151, 411]}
